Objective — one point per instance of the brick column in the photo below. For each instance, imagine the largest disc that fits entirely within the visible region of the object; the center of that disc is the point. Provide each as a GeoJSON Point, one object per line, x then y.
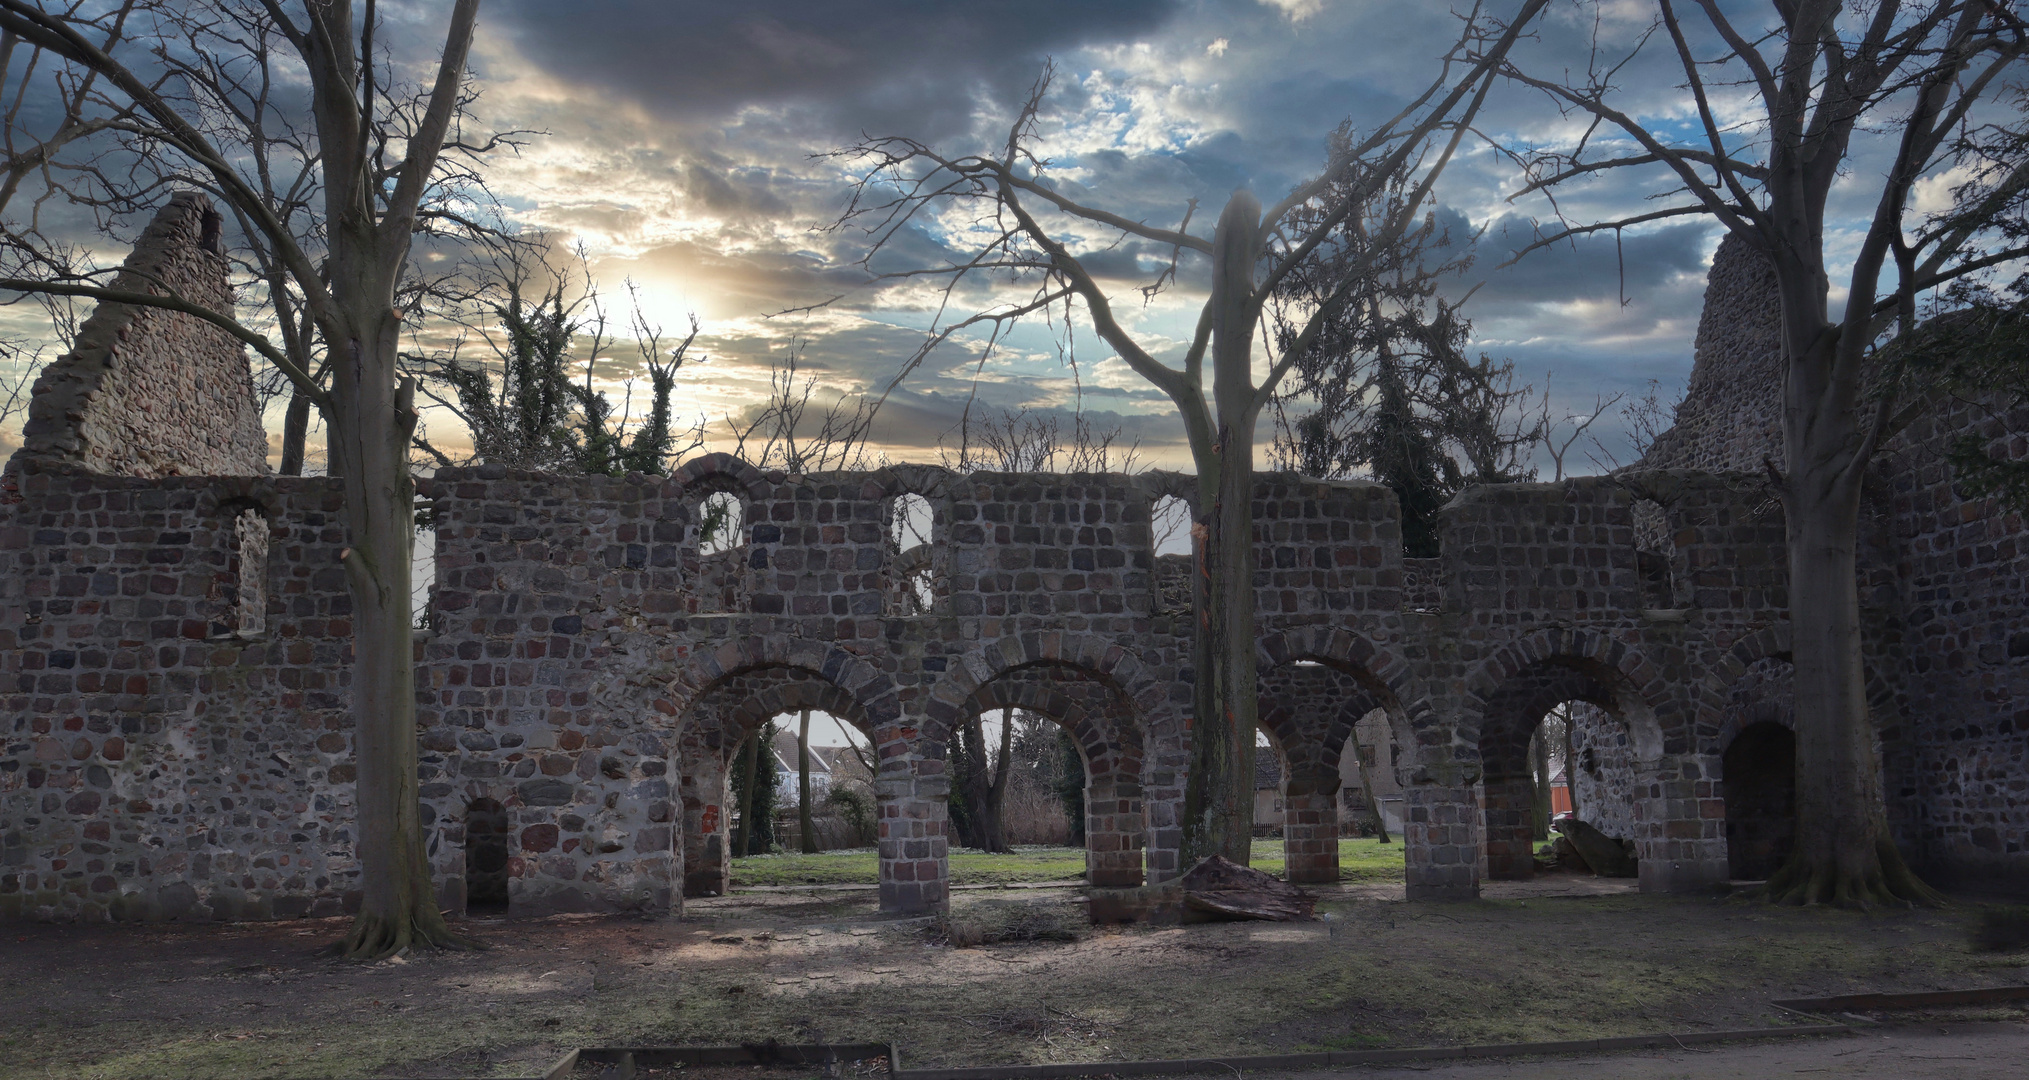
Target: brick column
{"type": "Point", "coordinates": [1113, 832]}
{"type": "Point", "coordinates": [1680, 838]}
{"type": "Point", "coordinates": [1310, 836]}
{"type": "Point", "coordinates": [1440, 840]}
{"type": "Point", "coordinates": [707, 813]}
{"type": "Point", "coordinates": [912, 813]}
{"type": "Point", "coordinates": [1510, 834]}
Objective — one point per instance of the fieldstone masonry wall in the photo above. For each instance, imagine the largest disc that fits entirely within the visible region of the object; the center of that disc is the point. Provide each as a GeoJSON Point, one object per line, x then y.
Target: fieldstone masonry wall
{"type": "Point", "coordinates": [590, 668]}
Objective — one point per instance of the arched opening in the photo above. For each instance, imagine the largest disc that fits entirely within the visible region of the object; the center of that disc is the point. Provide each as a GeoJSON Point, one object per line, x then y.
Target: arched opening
{"type": "Point", "coordinates": [1564, 717]}
{"type": "Point", "coordinates": [485, 858]}
{"type": "Point", "coordinates": [1169, 530]}
{"type": "Point", "coordinates": [719, 540]}
{"type": "Point", "coordinates": [1334, 735]}
{"type": "Point", "coordinates": [1100, 739]}
{"type": "Point", "coordinates": [1761, 788]}
{"type": "Point", "coordinates": [745, 726]}
{"type": "Point", "coordinates": [912, 578]}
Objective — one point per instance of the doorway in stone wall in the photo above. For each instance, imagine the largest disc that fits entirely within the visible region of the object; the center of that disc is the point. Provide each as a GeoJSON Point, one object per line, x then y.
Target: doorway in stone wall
{"type": "Point", "coordinates": [485, 858]}
{"type": "Point", "coordinates": [1761, 790]}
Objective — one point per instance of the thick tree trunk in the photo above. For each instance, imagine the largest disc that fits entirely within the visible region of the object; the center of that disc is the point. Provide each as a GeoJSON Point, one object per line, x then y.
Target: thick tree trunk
{"type": "Point", "coordinates": [996, 793]}
{"type": "Point", "coordinates": [803, 814]}
{"type": "Point", "coordinates": [750, 763]}
{"type": "Point", "coordinates": [1539, 756]}
{"type": "Point", "coordinates": [1843, 852]}
{"type": "Point", "coordinates": [370, 427]}
{"type": "Point", "coordinates": [1219, 795]}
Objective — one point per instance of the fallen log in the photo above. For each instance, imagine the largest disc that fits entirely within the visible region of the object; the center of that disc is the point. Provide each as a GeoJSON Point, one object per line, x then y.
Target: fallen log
{"type": "Point", "coordinates": [1217, 889]}
{"type": "Point", "coordinates": [1607, 856]}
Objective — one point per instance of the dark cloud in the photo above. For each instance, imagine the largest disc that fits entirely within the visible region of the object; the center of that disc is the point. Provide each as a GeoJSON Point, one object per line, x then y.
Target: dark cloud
{"type": "Point", "coordinates": [907, 64]}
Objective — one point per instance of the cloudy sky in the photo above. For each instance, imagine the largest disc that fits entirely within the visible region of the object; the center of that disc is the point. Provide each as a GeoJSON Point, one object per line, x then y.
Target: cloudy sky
{"type": "Point", "coordinates": [682, 151]}
{"type": "Point", "coordinates": [683, 145]}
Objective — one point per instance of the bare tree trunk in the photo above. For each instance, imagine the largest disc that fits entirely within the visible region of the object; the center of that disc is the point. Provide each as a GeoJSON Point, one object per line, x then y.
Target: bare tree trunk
{"type": "Point", "coordinates": [1570, 760]}
{"type": "Point", "coordinates": [370, 427]}
{"type": "Point", "coordinates": [750, 763]}
{"type": "Point", "coordinates": [295, 431]}
{"type": "Point", "coordinates": [1373, 799]}
{"type": "Point", "coordinates": [803, 815]}
{"type": "Point", "coordinates": [1539, 755]}
{"type": "Point", "coordinates": [1844, 854]}
{"type": "Point", "coordinates": [996, 795]}
{"type": "Point", "coordinates": [1219, 796]}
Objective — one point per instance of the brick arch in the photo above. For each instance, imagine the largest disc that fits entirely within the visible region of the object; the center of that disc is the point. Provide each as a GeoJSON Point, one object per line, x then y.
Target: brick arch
{"type": "Point", "coordinates": [793, 690]}
{"type": "Point", "coordinates": [1718, 725]}
{"type": "Point", "coordinates": [1108, 745]}
{"type": "Point", "coordinates": [720, 470]}
{"type": "Point", "coordinates": [1147, 697]}
{"type": "Point", "coordinates": [929, 481]}
{"type": "Point", "coordinates": [1381, 671]}
{"type": "Point", "coordinates": [872, 693]}
{"type": "Point", "coordinates": [1639, 696]}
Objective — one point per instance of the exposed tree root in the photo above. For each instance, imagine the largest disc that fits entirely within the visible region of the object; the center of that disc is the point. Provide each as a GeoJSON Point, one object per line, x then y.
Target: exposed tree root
{"type": "Point", "coordinates": [1888, 881]}
{"type": "Point", "coordinates": [376, 937]}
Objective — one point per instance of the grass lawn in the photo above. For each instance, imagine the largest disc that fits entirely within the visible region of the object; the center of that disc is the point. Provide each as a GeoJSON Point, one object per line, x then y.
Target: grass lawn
{"type": "Point", "coordinates": [1359, 860]}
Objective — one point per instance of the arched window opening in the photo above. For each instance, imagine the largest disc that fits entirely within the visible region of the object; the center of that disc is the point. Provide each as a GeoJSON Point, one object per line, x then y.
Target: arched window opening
{"type": "Point", "coordinates": [1652, 555]}
{"type": "Point", "coordinates": [1761, 791]}
{"type": "Point", "coordinates": [912, 579]}
{"type": "Point", "coordinates": [720, 523]}
{"type": "Point", "coordinates": [1169, 528]}
{"type": "Point", "coordinates": [485, 858]}
{"type": "Point", "coordinates": [721, 551]}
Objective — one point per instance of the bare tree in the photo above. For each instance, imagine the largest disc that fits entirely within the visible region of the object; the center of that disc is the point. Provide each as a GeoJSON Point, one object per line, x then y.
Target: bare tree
{"type": "Point", "coordinates": [1022, 441]}
{"type": "Point", "coordinates": [1802, 84]}
{"type": "Point", "coordinates": [1034, 241]}
{"type": "Point", "coordinates": [372, 183]}
{"type": "Point", "coordinates": [783, 433]}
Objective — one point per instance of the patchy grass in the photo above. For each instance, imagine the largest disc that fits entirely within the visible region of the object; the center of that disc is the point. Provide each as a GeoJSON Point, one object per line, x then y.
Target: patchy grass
{"type": "Point", "coordinates": [255, 1000]}
{"type": "Point", "coordinates": [1366, 861]}
{"type": "Point", "coordinates": [860, 866]}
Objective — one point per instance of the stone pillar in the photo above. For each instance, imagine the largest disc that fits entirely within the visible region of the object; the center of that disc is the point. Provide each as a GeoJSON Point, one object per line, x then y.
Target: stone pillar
{"type": "Point", "coordinates": [1440, 840]}
{"type": "Point", "coordinates": [1113, 831]}
{"type": "Point", "coordinates": [1510, 829]}
{"type": "Point", "coordinates": [1310, 836]}
{"type": "Point", "coordinates": [912, 813]}
{"type": "Point", "coordinates": [704, 784]}
{"type": "Point", "coordinates": [1681, 834]}
{"type": "Point", "coordinates": [1162, 802]}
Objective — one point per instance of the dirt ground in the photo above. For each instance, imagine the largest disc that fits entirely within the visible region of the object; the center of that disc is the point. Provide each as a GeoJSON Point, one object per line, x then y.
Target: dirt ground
{"type": "Point", "coordinates": [1532, 962]}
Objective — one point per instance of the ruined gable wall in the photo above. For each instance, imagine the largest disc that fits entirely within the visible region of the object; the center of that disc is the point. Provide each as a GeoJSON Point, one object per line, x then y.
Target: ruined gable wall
{"type": "Point", "coordinates": [150, 392]}
{"type": "Point", "coordinates": [1731, 418]}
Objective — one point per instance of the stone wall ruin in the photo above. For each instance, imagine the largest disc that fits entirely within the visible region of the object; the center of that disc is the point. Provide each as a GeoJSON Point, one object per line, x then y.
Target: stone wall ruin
{"type": "Point", "coordinates": [591, 665]}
